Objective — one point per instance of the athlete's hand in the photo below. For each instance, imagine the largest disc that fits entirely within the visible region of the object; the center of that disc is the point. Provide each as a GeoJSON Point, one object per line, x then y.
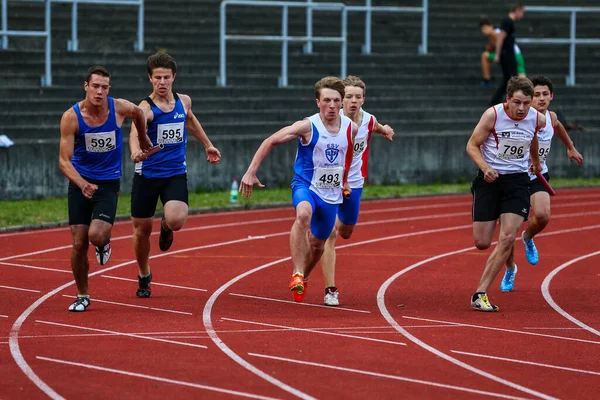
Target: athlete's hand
{"type": "Point", "coordinates": [388, 132]}
{"type": "Point", "coordinates": [137, 156]}
{"type": "Point", "coordinates": [497, 59]}
{"type": "Point", "coordinates": [145, 142]}
{"type": "Point", "coordinates": [248, 180]}
{"type": "Point", "coordinates": [346, 191]}
{"type": "Point", "coordinates": [88, 190]}
{"type": "Point", "coordinates": [535, 168]}
{"type": "Point", "coordinates": [575, 156]}
{"type": "Point", "coordinates": [213, 155]}
{"type": "Point", "coordinates": [490, 174]}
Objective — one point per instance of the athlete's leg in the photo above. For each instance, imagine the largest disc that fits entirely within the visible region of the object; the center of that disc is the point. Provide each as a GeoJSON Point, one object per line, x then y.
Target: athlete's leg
{"type": "Point", "coordinates": [176, 214]}
{"type": "Point", "coordinates": [142, 229]}
{"type": "Point", "coordinates": [540, 202]}
{"type": "Point", "coordinates": [79, 259]}
{"type": "Point", "coordinates": [299, 245]}
{"type": "Point", "coordinates": [328, 257]}
{"type": "Point", "coordinates": [483, 233]}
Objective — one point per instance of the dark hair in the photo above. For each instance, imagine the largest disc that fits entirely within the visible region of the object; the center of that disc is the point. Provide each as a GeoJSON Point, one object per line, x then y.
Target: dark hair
{"type": "Point", "coordinates": [329, 82]}
{"type": "Point", "coordinates": [161, 60]}
{"type": "Point", "coordinates": [516, 6]}
{"type": "Point", "coordinates": [541, 80]}
{"type": "Point", "coordinates": [484, 20]}
{"type": "Point", "coordinates": [97, 70]}
{"type": "Point", "coordinates": [521, 83]}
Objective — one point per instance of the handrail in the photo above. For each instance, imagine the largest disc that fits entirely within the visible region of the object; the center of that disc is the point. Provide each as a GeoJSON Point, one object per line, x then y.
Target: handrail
{"type": "Point", "coordinates": [46, 79]}
{"type": "Point", "coordinates": [283, 38]}
{"type": "Point", "coordinates": [571, 40]}
{"type": "Point", "coordinates": [368, 8]}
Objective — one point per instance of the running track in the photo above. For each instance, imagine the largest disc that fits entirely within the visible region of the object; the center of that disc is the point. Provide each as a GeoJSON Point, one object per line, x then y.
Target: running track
{"type": "Point", "coordinates": [221, 323]}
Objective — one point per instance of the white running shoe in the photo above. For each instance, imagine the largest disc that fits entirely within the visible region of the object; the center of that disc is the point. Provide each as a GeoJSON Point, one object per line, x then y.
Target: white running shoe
{"type": "Point", "coordinates": [103, 254]}
{"type": "Point", "coordinates": [332, 297]}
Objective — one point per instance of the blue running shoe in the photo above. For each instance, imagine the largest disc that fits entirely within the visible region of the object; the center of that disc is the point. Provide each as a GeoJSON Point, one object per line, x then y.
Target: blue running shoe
{"type": "Point", "coordinates": [530, 250]}
{"type": "Point", "coordinates": [508, 282]}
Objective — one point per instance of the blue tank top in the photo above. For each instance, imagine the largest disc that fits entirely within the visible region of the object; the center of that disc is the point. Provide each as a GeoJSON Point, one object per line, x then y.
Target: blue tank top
{"type": "Point", "coordinates": [167, 128]}
{"type": "Point", "coordinates": [98, 151]}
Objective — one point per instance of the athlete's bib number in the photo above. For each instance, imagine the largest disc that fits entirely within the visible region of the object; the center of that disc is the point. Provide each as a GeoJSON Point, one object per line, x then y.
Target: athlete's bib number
{"type": "Point", "coordinates": [170, 133]}
{"type": "Point", "coordinates": [544, 150]}
{"type": "Point", "coordinates": [510, 149]}
{"type": "Point", "coordinates": [359, 147]}
{"type": "Point", "coordinates": [328, 178]}
{"type": "Point", "coordinates": [100, 142]}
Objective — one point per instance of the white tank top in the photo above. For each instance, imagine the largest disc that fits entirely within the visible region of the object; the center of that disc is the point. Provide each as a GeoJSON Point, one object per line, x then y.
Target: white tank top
{"type": "Point", "coordinates": [507, 147]}
{"type": "Point", "coordinates": [545, 136]}
{"type": "Point", "coordinates": [321, 162]}
{"type": "Point", "coordinates": [360, 155]}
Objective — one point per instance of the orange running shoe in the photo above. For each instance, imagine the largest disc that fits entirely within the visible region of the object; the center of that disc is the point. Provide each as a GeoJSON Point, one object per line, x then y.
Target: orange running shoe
{"type": "Point", "coordinates": [298, 287]}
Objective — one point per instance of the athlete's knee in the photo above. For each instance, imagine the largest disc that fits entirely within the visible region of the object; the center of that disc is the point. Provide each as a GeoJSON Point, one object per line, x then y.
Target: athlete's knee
{"type": "Point", "coordinates": [142, 229]}
{"type": "Point", "coordinates": [346, 231]}
{"type": "Point", "coordinates": [542, 216]}
{"type": "Point", "coordinates": [98, 238]}
{"type": "Point", "coordinates": [482, 244]}
{"type": "Point", "coordinates": [176, 223]}
{"type": "Point", "coordinates": [316, 245]}
{"type": "Point", "coordinates": [80, 244]}
{"type": "Point", "coordinates": [303, 217]}
{"type": "Point", "coordinates": [506, 239]}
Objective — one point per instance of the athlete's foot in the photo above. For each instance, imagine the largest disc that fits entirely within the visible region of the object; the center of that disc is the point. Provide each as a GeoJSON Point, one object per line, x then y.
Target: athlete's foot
{"type": "Point", "coordinates": [530, 250]}
{"type": "Point", "coordinates": [103, 253]}
{"type": "Point", "coordinates": [166, 236]}
{"type": "Point", "coordinates": [298, 287]}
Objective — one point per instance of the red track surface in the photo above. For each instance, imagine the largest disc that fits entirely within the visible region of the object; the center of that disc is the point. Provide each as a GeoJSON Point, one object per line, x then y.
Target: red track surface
{"type": "Point", "coordinates": [221, 323]}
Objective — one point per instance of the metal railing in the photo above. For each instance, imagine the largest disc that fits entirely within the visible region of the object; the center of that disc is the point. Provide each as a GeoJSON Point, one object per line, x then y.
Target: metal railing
{"type": "Point", "coordinates": [46, 79]}
{"type": "Point", "coordinates": [284, 38]}
{"type": "Point", "coordinates": [572, 40]}
{"type": "Point", "coordinates": [368, 8]}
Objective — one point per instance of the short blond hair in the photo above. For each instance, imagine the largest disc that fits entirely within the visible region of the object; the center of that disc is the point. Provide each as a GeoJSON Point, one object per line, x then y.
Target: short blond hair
{"type": "Point", "coordinates": [329, 82]}
{"type": "Point", "coordinates": [352, 80]}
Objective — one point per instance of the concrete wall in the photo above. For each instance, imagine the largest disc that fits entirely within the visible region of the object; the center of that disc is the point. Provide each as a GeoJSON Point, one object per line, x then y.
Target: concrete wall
{"type": "Point", "coordinates": [30, 167]}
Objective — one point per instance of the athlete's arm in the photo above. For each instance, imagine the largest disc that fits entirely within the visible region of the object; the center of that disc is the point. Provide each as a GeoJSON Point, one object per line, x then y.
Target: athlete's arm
{"type": "Point", "coordinates": [562, 134]}
{"type": "Point", "coordinates": [68, 129]}
{"type": "Point", "coordinates": [348, 161]}
{"type": "Point", "coordinates": [195, 129]}
{"type": "Point", "coordinates": [499, 42]}
{"type": "Point", "coordinates": [478, 137]}
{"type": "Point", "coordinates": [534, 149]}
{"type": "Point", "coordinates": [297, 129]}
{"type": "Point", "coordinates": [126, 109]}
{"type": "Point", "coordinates": [134, 144]}
{"type": "Point", "coordinates": [384, 130]}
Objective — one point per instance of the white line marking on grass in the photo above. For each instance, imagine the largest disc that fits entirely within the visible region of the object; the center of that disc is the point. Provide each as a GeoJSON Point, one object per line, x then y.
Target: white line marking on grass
{"type": "Point", "coordinates": [301, 304]}
{"type": "Point", "coordinates": [33, 267]}
{"type": "Point", "coordinates": [505, 330]}
{"type": "Point", "coordinates": [136, 306]}
{"type": "Point", "coordinates": [387, 376]}
{"type": "Point", "coordinates": [513, 360]}
{"type": "Point", "coordinates": [556, 307]}
{"type": "Point", "coordinates": [293, 328]}
{"type": "Point", "coordinates": [155, 283]}
{"type": "Point", "coordinates": [121, 334]}
{"type": "Point", "coordinates": [157, 378]}
{"type": "Point", "coordinates": [21, 289]}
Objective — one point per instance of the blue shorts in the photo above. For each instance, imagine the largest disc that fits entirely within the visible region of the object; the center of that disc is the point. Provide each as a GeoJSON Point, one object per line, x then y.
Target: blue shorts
{"type": "Point", "coordinates": [323, 217]}
{"type": "Point", "coordinates": [349, 209]}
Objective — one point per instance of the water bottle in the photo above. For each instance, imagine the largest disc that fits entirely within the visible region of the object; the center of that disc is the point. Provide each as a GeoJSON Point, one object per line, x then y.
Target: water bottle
{"type": "Point", "coordinates": [233, 193]}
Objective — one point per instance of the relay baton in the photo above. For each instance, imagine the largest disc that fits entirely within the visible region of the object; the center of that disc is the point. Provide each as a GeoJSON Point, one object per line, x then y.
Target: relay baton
{"type": "Point", "coordinates": [153, 149]}
{"type": "Point", "coordinates": [346, 193]}
{"type": "Point", "coordinates": [544, 182]}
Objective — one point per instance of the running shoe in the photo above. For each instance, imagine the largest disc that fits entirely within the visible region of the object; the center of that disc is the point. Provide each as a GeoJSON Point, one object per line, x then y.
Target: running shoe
{"type": "Point", "coordinates": [166, 236]}
{"type": "Point", "coordinates": [332, 297]}
{"type": "Point", "coordinates": [480, 302]}
{"type": "Point", "coordinates": [530, 250]}
{"type": "Point", "coordinates": [298, 287]}
{"type": "Point", "coordinates": [103, 254]}
{"type": "Point", "coordinates": [144, 286]}
{"type": "Point", "coordinates": [80, 304]}
{"type": "Point", "coordinates": [508, 282]}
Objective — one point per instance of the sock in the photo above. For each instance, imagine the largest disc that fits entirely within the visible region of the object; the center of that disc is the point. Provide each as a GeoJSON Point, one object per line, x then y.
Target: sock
{"type": "Point", "coordinates": [84, 295]}
{"type": "Point", "coordinates": [476, 295]}
{"type": "Point", "coordinates": [145, 276]}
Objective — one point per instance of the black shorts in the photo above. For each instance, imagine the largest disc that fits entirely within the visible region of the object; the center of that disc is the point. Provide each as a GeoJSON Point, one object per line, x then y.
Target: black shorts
{"type": "Point", "coordinates": [536, 186]}
{"type": "Point", "coordinates": [146, 191]}
{"type": "Point", "coordinates": [102, 205]}
{"type": "Point", "coordinates": [509, 193]}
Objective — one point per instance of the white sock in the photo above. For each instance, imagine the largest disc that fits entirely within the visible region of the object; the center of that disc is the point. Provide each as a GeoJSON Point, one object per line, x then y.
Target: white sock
{"type": "Point", "coordinates": [145, 276]}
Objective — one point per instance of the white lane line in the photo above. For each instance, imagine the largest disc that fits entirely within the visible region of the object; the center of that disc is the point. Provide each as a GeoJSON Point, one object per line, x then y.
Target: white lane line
{"type": "Point", "coordinates": [293, 328]}
{"type": "Point", "coordinates": [386, 314]}
{"type": "Point", "coordinates": [387, 376]}
{"type": "Point", "coordinates": [155, 283]}
{"type": "Point", "coordinates": [34, 267]}
{"type": "Point", "coordinates": [505, 330]}
{"type": "Point", "coordinates": [3, 316]}
{"type": "Point", "coordinates": [21, 289]}
{"type": "Point", "coordinates": [136, 306]}
{"type": "Point", "coordinates": [552, 303]}
{"type": "Point", "coordinates": [514, 360]}
{"type": "Point", "coordinates": [157, 378]}
{"type": "Point", "coordinates": [301, 304]}
{"type": "Point", "coordinates": [551, 329]}
{"type": "Point", "coordinates": [120, 334]}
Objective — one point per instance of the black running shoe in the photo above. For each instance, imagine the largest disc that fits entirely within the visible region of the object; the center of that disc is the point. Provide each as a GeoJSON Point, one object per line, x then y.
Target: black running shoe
{"type": "Point", "coordinates": [166, 236]}
{"type": "Point", "coordinates": [144, 286]}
